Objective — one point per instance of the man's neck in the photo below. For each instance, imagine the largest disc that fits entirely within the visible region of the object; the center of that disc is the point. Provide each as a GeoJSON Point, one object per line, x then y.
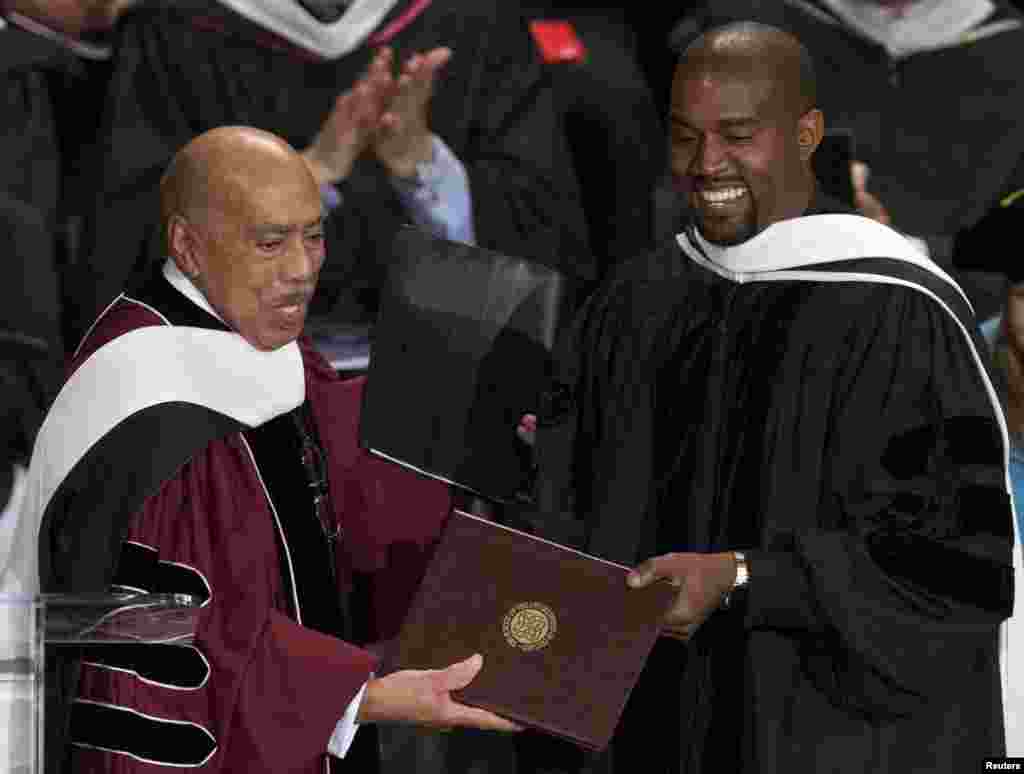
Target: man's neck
{"type": "Point", "coordinates": [69, 21]}
{"type": "Point", "coordinates": [61, 30]}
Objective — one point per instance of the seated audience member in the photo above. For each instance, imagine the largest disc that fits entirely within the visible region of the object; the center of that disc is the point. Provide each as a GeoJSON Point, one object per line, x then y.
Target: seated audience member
{"type": "Point", "coordinates": [433, 112]}
{"type": "Point", "coordinates": [933, 95]}
{"type": "Point", "coordinates": [612, 128]}
{"type": "Point", "coordinates": [30, 298]}
{"type": "Point", "coordinates": [53, 61]}
{"type": "Point", "coordinates": [799, 432]}
{"type": "Point", "coordinates": [54, 66]}
{"type": "Point", "coordinates": [1005, 336]}
{"type": "Point", "coordinates": [200, 446]}
{"type": "Point", "coordinates": [22, 405]}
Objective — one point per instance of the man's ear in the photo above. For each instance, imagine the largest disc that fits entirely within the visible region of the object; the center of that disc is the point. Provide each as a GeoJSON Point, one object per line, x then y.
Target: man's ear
{"type": "Point", "coordinates": [182, 242]}
{"type": "Point", "coordinates": [810, 129]}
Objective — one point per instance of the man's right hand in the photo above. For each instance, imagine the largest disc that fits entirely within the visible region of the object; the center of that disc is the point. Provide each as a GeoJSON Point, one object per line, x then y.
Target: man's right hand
{"type": "Point", "coordinates": [349, 129]}
{"type": "Point", "coordinates": [869, 205]}
{"type": "Point", "coordinates": [424, 698]}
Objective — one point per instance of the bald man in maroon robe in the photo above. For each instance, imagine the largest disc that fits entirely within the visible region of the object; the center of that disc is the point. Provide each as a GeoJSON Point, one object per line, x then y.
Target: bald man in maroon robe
{"type": "Point", "coordinates": [201, 446]}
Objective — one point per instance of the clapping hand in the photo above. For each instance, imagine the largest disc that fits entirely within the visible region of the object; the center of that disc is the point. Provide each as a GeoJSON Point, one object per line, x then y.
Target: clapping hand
{"type": "Point", "coordinates": [382, 112]}
{"type": "Point", "coordinates": [404, 138]}
{"type": "Point", "coordinates": [350, 128]}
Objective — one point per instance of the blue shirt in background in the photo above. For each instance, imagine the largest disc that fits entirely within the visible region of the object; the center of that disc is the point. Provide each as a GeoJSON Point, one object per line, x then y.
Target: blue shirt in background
{"type": "Point", "coordinates": [992, 331]}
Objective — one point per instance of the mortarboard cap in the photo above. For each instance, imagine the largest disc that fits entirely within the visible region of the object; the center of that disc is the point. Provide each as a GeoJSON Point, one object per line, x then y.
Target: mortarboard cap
{"type": "Point", "coordinates": [986, 245]}
{"type": "Point", "coordinates": [461, 350]}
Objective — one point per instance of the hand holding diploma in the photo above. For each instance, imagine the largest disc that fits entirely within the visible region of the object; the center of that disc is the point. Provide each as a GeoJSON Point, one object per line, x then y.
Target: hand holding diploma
{"type": "Point", "coordinates": [703, 581]}
{"type": "Point", "coordinates": [424, 697]}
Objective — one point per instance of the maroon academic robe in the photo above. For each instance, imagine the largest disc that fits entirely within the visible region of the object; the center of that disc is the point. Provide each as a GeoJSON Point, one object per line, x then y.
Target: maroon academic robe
{"type": "Point", "coordinates": [257, 691]}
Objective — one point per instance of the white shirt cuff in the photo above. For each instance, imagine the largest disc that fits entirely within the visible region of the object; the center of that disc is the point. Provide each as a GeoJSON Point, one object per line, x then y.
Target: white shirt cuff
{"type": "Point", "coordinates": [345, 731]}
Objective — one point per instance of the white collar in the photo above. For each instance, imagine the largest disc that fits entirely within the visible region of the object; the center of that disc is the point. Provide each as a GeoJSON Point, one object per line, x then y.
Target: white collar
{"type": "Point", "coordinates": [145, 367]}
{"type": "Point", "coordinates": [926, 24]}
{"type": "Point", "coordinates": [79, 47]}
{"type": "Point", "coordinates": [295, 24]}
{"type": "Point", "coordinates": [187, 288]}
{"type": "Point", "coordinates": [811, 239]}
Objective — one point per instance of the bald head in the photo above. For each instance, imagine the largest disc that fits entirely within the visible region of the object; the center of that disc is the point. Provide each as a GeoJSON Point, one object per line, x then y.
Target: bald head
{"type": "Point", "coordinates": [754, 51]}
{"type": "Point", "coordinates": [215, 172]}
{"type": "Point", "coordinates": [243, 220]}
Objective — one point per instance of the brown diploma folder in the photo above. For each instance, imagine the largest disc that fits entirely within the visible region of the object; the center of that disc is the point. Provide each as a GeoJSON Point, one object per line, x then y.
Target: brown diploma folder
{"type": "Point", "coordinates": [562, 636]}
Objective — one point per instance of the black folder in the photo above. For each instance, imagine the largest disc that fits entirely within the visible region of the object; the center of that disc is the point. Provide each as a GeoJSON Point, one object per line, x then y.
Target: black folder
{"type": "Point", "coordinates": [461, 350]}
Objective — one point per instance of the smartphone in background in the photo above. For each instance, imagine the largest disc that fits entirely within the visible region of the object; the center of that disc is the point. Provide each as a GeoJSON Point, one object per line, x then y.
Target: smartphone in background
{"type": "Point", "coordinates": [831, 164]}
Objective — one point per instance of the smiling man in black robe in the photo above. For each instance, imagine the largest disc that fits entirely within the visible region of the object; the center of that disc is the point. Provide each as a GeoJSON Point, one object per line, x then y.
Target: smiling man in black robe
{"type": "Point", "coordinates": [785, 412]}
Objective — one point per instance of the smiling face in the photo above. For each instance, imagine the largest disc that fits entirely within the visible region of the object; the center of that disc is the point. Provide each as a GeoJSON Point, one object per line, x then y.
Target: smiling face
{"type": "Point", "coordinates": [740, 153]}
{"type": "Point", "coordinates": [256, 248]}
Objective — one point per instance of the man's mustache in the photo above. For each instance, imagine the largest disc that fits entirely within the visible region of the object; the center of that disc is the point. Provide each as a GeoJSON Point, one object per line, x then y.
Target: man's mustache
{"type": "Point", "coordinates": [294, 299]}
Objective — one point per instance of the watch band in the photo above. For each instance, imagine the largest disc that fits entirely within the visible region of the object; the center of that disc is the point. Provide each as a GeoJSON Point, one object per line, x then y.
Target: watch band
{"type": "Point", "coordinates": [742, 579]}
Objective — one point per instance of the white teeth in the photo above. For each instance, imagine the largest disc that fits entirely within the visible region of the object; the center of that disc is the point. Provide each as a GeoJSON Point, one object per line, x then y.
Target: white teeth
{"type": "Point", "coordinates": [722, 195]}
{"type": "Point", "coordinates": [291, 309]}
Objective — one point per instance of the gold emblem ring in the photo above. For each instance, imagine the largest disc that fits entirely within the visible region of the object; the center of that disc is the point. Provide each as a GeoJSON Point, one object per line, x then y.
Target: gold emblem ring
{"type": "Point", "coordinates": [529, 626]}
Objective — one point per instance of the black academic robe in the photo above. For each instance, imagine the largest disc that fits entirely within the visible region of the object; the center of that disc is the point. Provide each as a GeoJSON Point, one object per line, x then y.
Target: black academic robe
{"type": "Point", "coordinates": [30, 187]}
{"type": "Point", "coordinates": [937, 170]}
{"type": "Point", "coordinates": [185, 68]}
{"type": "Point", "coordinates": [30, 299]}
{"type": "Point", "coordinates": [48, 116]}
{"type": "Point", "coordinates": [834, 421]}
{"type": "Point", "coordinates": [29, 158]}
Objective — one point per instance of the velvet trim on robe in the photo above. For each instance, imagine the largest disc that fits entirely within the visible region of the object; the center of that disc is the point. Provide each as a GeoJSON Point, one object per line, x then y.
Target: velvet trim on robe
{"type": "Point", "coordinates": [839, 428]}
{"type": "Point", "coordinates": [275, 689]}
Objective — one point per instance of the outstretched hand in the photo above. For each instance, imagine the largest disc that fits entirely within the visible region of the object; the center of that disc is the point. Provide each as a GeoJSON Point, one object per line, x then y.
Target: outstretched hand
{"type": "Point", "coordinates": [703, 580]}
{"type": "Point", "coordinates": [424, 697]}
{"type": "Point", "coordinates": [404, 138]}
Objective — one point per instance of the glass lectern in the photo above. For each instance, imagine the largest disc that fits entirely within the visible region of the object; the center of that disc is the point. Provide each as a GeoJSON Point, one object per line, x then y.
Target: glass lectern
{"type": "Point", "coordinates": [28, 623]}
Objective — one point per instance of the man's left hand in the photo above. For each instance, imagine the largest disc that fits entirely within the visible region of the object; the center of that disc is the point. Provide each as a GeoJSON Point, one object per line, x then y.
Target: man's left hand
{"type": "Point", "coordinates": [404, 138]}
{"type": "Point", "coordinates": [703, 580]}
{"type": "Point", "coordinates": [352, 123]}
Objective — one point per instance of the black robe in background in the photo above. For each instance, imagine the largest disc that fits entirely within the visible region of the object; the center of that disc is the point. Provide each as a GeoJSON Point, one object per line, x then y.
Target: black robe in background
{"type": "Point", "coordinates": [29, 157]}
{"type": "Point", "coordinates": [48, 117]}
{"type": "Point", "coordinates": [30, 298]}
{"type": "Point", "coordinates": [175, 77]}
{"type": "Point", "coordinates": [30, 194]}
{"type": "Point", "coordinates": [841, 433]}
